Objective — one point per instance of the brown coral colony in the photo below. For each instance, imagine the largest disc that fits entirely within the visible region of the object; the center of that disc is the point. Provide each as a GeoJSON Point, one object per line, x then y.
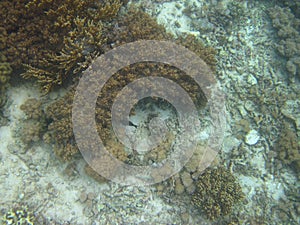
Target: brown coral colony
{"type": "Point", "coordinates": [53, 41]}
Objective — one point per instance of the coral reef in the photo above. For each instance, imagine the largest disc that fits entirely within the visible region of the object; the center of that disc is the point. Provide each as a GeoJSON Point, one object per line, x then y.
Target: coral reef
{"type": "Point", "coordinates": [288, 147]}
{"type": "Point", "coordinates": [5, 68]}
{"type": "Point", "coordinates": [32, 109]}
{"type": "Point", "coordinates": [79, 47]}
{"type": "Point", "coordinates": [18, 215]}
{"type": "Point", "coordinates": [5, 71]}
{"type": "Point", "coordinates": [127, 75]}
{"type": "Point", "coordinates": [33, 127]}
{"type": "Point", "coordinates": [53, 39]}
{"type": "Point", "coordinates": [288, 26]}
{"type": "Point", "coordinates": [222, 15]}
{"type": "Point", "coordinates": [80, 41]}
{"type": "Point", "coordinates": [216, 192]}
{"type": "Point", "coordinates": [59, 131]}
{"type": "Point", "coordinates": [137, 25]}
{"type": "Point", "coordinates": [134, 25]}
{"type": "Point", "coordinates": [204, 52]}
{"type": "Point", "coordinates": [184, 182]}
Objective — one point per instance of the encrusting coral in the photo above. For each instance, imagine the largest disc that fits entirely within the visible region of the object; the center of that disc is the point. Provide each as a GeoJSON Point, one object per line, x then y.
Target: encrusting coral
{"type": "Point", "coordinates": [5, 71]}
{"type": "Point", "coordinates": [59, 132]}
{"type": "Point", "coordinates": [33, 125]}
{"type": "Point", "coordinates": [5, 68]}
{"type": "Point", "coordinates": [288, 147]}
{"type": "Point", "coordinates": [216, 192]}
{"type": "Point", "coordinates": [287, 23]}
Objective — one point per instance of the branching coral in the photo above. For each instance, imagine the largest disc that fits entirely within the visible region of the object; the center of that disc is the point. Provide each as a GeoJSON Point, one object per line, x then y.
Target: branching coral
{"type": "Point", "coordinates": [134, 25]}
{"type": "Point", "coordinates": [45, 78]}
{"type": "Point", "coordinates": [204, 52]}
{"type": "Point", "coordinates": [52, 38]}
{"type": "Point", "coordinates": [131, 73]}
{"type": "Point", "coordinates": [60, 128]}
{"type": "Point", "coordinates": [216, 192]}
{"type": "Point", "coordinates": [28, 34]}
{"type": "Point", "coordinates": [109, 9]}
{"type": "Point", "coordinates": [80, 46]}
{"type": "Point", "coordinates": [138, 25]}
{"type": "Point", "coordinates": [5, 71]}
